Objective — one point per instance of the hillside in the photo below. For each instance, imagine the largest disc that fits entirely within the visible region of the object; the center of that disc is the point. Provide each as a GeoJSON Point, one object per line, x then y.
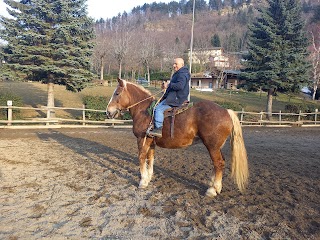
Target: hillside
{"type": "Point", "coordinates": [163, 34]}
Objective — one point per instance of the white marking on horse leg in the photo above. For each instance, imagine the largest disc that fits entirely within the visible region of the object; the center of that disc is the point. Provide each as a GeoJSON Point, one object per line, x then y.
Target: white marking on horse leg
{"type": "Point", "coordinates": [150, 169]}
{"type": "Point", "coordinates": [211, 192]}
{"type": "Point", "coordinates": [144, 176]}
{"type": "Point", "coordinates": [217, 185]}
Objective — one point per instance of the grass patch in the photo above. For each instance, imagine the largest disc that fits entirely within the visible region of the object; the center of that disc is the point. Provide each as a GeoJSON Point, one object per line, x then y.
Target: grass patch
{"type": "Point", "coordinates": [34, 94]}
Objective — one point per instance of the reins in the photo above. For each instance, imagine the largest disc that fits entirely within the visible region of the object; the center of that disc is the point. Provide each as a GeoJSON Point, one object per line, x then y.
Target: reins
{"type": "Point", "coordinates": [135, 104]}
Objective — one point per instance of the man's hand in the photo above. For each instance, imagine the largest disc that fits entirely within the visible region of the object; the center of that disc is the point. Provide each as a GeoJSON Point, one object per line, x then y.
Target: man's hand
{"type": "Point", "coordinates": [164, 85]}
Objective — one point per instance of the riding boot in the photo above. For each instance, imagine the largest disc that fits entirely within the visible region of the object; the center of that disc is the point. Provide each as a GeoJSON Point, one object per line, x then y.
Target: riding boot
{"type": "Point", "coordinates": [156, 132]}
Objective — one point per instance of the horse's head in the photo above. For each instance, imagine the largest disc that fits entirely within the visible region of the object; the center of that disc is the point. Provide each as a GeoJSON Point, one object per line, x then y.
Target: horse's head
{"type": "Point", "coordinates": [119, 100]}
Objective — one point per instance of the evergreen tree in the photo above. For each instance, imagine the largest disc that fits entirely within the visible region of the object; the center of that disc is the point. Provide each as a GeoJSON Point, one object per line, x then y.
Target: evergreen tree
{"type": "Point", "coordinates": [215, 5]}
{"type": "Point", "coordinates": [49, 41]}
{"type": "Point", "coordinates": [277, 45]}
{"type": "Point", "coordinates": [215, 41]}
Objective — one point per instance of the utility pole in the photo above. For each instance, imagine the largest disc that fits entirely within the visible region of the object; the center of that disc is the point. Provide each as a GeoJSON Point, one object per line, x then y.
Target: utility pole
{"type": "Point", "coordinates": [191, 46]}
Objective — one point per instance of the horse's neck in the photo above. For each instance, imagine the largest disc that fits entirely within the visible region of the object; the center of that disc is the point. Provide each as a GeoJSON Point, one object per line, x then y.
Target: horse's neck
{"type": "Point", "coordinates": [141, 98]}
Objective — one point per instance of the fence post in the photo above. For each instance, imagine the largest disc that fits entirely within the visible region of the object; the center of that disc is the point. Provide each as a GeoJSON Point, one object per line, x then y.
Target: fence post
{"type": "Point", "coordinates": [299, 117]}
{"type": "Point", "coordinates": [280, 117]}
{"type": "Point", "coordinates": [261, 117]}
{"type": "Point", "coordinates": [315, 116]}
{"type": "Point", "coordinates": [241, 116]}
{"type": "Point", "coordinates": [84, 114]}
{"type": "Point", "coordinates": [48, 116]}
{"type": "Point", "coordinates": [9, 105]}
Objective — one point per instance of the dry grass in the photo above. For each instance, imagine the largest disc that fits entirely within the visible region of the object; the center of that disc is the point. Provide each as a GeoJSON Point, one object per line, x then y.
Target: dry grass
{"type": "Point", "coordinates": [34, 94]}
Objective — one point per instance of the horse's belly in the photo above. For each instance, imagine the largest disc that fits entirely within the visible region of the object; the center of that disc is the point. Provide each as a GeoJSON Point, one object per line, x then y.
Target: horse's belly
{"type": "Point", "coordinates": [175, 142]}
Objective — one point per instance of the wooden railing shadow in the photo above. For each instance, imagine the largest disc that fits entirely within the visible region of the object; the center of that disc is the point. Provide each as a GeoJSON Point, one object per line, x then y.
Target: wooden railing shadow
{"type": "Point", "coordinates": [128, 162]}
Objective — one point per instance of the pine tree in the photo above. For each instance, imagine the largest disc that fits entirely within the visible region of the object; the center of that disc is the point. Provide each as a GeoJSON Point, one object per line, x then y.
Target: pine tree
{"type": "Point", "coordinates": [277, 59]}
{"type": "Point", "coordinates": [49, 41]}
{"type": "Point", "coordinates": [215, 41]}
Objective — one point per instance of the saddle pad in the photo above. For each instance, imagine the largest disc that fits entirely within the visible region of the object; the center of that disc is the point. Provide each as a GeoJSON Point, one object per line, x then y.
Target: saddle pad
{"type": "Point", "coordinates": [177, 110]}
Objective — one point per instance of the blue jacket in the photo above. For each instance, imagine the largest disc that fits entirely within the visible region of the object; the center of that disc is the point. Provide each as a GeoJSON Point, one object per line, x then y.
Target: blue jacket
{"type": "Point", "coordinates": [178, 89]}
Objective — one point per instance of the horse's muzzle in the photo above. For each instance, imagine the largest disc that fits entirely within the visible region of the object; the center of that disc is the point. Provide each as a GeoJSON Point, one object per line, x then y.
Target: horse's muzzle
{"type": "Point", "coordinates": [113, 114]}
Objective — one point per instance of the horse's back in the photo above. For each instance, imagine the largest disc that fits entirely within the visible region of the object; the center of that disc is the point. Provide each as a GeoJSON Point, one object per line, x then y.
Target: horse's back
{"type": "Point", "coordinates": [209, 113]}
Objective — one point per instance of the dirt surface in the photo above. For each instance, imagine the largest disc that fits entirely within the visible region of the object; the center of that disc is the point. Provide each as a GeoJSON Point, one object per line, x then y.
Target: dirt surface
{"type": "Point", "coordinates": [82, 184]}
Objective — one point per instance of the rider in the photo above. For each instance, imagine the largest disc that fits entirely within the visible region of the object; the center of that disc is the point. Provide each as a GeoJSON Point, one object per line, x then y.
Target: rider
{"type": "Point", "coordinates": [176, 94]}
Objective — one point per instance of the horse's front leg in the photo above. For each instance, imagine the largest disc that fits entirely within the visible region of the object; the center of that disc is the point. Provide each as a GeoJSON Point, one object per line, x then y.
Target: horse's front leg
{"type": "Point", "coordinates": [150, 160]}
{"type": "Point", "coordinates": [145, 171]}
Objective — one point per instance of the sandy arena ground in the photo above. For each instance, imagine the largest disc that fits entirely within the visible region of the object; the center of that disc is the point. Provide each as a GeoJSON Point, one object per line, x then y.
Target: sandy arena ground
{"type": "Point", "coordinates": [82, 184]}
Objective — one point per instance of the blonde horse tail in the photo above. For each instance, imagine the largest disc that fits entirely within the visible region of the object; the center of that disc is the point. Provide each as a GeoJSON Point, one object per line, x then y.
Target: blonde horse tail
{"type": "Point", "coordinates": [239, 165]}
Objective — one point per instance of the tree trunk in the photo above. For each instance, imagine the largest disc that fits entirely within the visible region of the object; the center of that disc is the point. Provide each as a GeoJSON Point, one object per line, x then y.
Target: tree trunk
{"type": "Point", "coordinates": [101, 68]}
{"type": "Point", "coordinates": [315, 87]}
{"type": "Point", "coordinates": [148, 73]}
{"type": "Point", "coordinates": [120, 69]}
{"type": "Point", "coordinates": [269, 103]}
{"type": "Point", "coordinates": [50, 103]}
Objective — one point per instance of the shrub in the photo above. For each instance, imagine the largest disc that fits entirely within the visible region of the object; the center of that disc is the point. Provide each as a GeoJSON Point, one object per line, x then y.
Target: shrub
{"type": "Point", "coordinates": [160, 76]}
{"type": "Point", "coordinates": [231, 105]}
{"type": "Point", "coordinates": [303, 107]}
{"type": "Point", "coordinates": [97, 103]}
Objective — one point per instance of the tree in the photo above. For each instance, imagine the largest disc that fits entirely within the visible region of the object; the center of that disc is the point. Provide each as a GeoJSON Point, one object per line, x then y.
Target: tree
{"type": "Point", "coordinates": [215, 41]}
{"type": "Point", "coordinates": [48, 41]}
{"type": "Point", "coordinates": [102, 47]}
{"type": "Point", "coordinates": [121, 39]}
{"type": "Point", "coordinates": [215, 5]}
{"type": "Point", "coordinates": [147, 52]}
{"type": "Point", "coordinates": [277, 46]}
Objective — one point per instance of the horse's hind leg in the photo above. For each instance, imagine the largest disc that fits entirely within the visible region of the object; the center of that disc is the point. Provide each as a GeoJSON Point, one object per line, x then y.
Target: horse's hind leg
{"type": "Point", "coordinates": [216, 180]}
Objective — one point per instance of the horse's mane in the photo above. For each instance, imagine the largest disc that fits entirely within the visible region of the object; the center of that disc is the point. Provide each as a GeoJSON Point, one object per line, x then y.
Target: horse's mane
{"type": "Point", "coordinates": [139, 87]}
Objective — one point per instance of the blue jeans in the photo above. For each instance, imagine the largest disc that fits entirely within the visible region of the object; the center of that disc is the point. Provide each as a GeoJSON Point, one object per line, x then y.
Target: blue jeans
{"type": "Point", "coordinates": [158, 113]}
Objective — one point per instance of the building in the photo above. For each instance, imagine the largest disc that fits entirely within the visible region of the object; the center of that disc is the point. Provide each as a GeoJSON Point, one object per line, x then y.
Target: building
{"type": "Point", "coordinates": [227, 79]}
{"type": "Point", "coordinates": [209, 55]}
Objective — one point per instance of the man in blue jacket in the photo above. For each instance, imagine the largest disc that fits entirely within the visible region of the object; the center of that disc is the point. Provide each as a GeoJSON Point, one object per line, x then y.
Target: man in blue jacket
{"type": "Point", "coordinates": [176, 93]}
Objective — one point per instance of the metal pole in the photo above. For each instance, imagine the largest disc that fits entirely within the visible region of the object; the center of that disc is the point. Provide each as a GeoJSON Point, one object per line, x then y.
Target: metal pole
{"type": "Point", "coordinates": [191, 45]}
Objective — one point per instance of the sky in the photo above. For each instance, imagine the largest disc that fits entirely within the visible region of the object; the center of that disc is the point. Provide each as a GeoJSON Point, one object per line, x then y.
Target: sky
{"type": "Point", "coordinates": [103, 8]}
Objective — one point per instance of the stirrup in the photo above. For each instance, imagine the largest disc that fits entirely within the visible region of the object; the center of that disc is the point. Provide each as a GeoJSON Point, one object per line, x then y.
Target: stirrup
{"type": "Point", "coordinates": [156, 132]}
{"type": "Point", "coordinates": [149, 130]}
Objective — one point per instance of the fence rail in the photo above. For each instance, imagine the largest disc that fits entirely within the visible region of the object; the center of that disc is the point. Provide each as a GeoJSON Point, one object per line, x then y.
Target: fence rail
{"type": "Point", "coordinates": [246, 118]}
{"type": "Point", "coordinates": [54, 122]}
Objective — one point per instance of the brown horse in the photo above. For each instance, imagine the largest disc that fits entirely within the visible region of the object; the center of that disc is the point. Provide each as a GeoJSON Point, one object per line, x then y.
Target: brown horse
{"type": "Point", "coordinates": [205, 120]}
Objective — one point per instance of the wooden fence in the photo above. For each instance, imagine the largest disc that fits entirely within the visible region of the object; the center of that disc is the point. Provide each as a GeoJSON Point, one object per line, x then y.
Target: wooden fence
{"type": "Point", "coordinates": [55, 122]}
{"type": "Point", "coordinates": [246, 118]}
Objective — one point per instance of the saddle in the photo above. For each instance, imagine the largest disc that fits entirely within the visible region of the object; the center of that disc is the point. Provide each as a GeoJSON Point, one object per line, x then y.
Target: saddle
{"type": "Point", "coordinates": [172, 112]}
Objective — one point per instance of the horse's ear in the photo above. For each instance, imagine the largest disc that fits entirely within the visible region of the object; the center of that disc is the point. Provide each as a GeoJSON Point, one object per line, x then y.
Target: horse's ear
{"type": "Point", "coordinates": [122, 83]}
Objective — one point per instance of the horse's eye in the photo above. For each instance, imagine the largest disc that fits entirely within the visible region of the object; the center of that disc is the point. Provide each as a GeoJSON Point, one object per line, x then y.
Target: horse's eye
{"type": "Point", "coordinates": [117, 93]}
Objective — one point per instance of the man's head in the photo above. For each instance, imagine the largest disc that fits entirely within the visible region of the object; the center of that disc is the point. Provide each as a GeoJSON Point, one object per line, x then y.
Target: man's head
{"type": "Point", "coordinates": [177, 64]}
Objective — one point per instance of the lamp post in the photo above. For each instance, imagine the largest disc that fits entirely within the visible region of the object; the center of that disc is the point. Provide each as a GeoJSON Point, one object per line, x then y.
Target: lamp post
{"type": "Point", "coordinates": [191, 46]}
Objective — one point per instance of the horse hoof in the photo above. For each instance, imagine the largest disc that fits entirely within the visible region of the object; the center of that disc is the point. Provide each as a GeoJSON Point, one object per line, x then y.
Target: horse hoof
{"type": "Point", "coordinates": [211, 192]}
{"type": "Point", "coordinates": [143, 186]}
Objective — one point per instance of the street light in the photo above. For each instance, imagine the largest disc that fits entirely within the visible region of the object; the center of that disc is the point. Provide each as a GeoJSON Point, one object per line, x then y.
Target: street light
{"type": "Point", "coordinates": [191, 46]}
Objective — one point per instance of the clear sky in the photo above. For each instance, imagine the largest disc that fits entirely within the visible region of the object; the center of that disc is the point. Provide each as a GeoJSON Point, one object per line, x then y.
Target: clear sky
{"type": "Point", "coordinates": [103, 8]}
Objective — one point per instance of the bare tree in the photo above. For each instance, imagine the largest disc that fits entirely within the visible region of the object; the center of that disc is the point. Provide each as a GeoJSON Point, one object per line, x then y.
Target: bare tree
{"type": "Point", "coordinates": [201, 44]}
{"type": "Point", "coordinates": [102, 48]}
{"type": "Point", "coordinates": [121, 38]}
{"type": "Point", "coordinates": [148, 51]}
